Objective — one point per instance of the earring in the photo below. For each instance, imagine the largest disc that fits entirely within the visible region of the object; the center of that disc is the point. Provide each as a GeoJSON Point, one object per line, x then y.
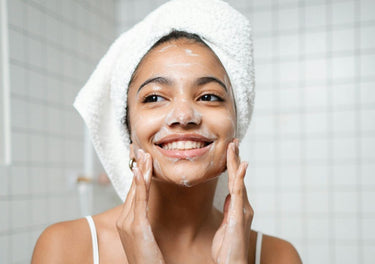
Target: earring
{"type": "Point", "coordinates": [131, 163]}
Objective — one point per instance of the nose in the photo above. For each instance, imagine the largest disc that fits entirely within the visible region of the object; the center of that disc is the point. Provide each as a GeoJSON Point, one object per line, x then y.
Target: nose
{"type": "Point", "coordinates": [184, 113]}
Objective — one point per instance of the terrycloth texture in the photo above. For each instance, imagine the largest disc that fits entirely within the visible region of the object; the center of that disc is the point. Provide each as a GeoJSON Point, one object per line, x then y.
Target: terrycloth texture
{"type": "Point", "coordinates": [102, 101]}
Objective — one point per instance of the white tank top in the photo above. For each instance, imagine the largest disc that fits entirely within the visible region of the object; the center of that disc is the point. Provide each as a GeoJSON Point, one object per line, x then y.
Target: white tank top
{"type": "Point", "coordinates": [95, 249]}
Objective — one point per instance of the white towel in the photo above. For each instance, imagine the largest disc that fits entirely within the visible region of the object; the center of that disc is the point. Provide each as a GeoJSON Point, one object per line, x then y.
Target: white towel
{"type": "Point", "coordinates": [102, 101]}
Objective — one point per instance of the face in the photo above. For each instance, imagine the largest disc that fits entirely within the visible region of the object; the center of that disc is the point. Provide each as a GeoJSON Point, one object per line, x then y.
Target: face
{"type": "Point", "coordinates": [181, 111]}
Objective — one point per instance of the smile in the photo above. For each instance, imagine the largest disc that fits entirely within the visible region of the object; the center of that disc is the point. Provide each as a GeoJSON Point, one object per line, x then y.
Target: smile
{"type": "Point", "coordinates": [184, 146]}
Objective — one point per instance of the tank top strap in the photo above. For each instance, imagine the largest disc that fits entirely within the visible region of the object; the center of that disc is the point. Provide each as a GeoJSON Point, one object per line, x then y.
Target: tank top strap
{"type": "Point", "coordinates": [94, 238]}
{"type": "Point", "coordinates": [258, 247]}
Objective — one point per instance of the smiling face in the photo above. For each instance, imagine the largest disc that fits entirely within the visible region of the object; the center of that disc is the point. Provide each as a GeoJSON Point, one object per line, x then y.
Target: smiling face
{"type": "Point", "coordinates": [181, 111]}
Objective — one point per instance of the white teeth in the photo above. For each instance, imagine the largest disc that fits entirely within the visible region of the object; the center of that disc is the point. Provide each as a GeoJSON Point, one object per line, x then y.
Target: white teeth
{"type": "Point", "coordinates": [183, 145]}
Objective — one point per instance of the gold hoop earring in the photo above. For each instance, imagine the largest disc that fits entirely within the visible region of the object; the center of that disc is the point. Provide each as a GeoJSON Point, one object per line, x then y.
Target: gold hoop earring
{"type": "Point", "coordinates": [131, 163]}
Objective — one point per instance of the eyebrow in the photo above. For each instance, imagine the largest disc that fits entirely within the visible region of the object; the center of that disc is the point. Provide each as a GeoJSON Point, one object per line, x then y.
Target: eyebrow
{"type": "Point", "coordinates": [160, 80]}
{"type": "Point", "coordinates": [199, 82]}
{"type": "Point", "coordinates": [208, 79]}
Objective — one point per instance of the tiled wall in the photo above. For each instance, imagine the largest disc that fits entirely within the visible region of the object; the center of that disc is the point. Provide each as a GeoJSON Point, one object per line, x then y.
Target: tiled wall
{"type": "Point", "coordinates": [311, 145]}
{"type": "Point", "coordinates": [54, 46]}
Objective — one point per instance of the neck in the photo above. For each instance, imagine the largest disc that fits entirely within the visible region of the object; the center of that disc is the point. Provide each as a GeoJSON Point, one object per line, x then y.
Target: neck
{"type": "Point", "coordinates": [180, 210]}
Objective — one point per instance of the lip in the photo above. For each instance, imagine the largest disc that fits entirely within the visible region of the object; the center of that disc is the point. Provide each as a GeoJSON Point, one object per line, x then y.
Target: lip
{"type": "Point", "coordinates": [184, 154]}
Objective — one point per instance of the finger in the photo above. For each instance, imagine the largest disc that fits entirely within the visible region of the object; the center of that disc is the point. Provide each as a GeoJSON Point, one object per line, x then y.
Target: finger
{"type": "Point", "coordinates": [233, 162]}
{"type": "Point", "coordinates": [129, 198]}
{"type": "Point", "coordinates": [237, 206]}
{"type": "Point", "coordinates": [140, 201]}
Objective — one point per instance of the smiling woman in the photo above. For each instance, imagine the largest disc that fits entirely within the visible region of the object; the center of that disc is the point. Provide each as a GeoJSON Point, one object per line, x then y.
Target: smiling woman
{"type": "Point", "coordinates": [188, 102]}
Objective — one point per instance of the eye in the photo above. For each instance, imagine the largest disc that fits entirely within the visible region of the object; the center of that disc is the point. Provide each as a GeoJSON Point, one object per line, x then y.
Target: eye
{"type": "Point", "coordinates": [153, 98]}
{"type": "Point", "coordinates": [210, 98]}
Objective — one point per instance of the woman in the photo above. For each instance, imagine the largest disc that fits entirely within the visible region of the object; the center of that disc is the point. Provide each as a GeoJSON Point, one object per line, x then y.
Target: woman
{"type": "Point", "coordinates": [182, 110]}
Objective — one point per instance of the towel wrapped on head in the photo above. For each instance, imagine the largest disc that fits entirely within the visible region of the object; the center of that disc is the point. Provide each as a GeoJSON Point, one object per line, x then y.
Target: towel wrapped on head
{"type": "Point", "coordinates": [102, 101]}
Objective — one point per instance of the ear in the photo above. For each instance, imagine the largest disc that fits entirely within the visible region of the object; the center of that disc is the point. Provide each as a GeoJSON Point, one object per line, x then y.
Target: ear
{"type": "Point", "coordinates": [132, 151]}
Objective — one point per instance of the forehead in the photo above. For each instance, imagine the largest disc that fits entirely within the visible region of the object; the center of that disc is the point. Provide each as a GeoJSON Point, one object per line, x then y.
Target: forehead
{"type": "Point", "coordinates": [177, 54]}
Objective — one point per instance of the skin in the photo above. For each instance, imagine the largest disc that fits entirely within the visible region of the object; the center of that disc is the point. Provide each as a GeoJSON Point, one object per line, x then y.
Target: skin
{"type": "Point", "coordinates": [162, 220]}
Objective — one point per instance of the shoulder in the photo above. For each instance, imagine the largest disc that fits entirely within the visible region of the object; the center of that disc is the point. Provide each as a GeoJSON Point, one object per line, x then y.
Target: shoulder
{"type": "Point", "coordinates": [64, 242]}
{"type": "Point", "coordinates": [276, 250]}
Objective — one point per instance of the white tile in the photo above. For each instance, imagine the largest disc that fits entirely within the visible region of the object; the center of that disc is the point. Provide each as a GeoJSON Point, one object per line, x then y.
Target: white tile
{"type": "Point", "coordinates": [316, 175]}
{"type": "Point", "coordinates": [290, 98]}
{"type": "Point", "coordinates": [343, 67]}
{"type": "Point", "coordinates": [37, 148]}
{"type": "Point", "coordinates": [318, 253]}
{"type": "Point", "coordinates": [17, 46]}
{"type": "Point", "coordinates": [20, 214]}
{"type": "Point", "coordinates": [367, 148]}
{"type": "Point", "coordinates": [367, 120]}
{"type": "Point", "coordinates": [291, 202]}
{"type": "Point", "coordinates": [316, 202]}
{"type": "Point", "coordinates": [315, 122]}
{"type": "Point", "coordinates": [290, 176]}
{"type": "Point", "coordinates": [264, 176]}
{"type": "Point", "coordinates": [315, 42]}
{"type": "Point", "coordinates": [367, 38]}
{"type": "Point", "coordinates": [368, 254]}
{"type": "Point", "coordinates": [20, 181]}
{"type": "Point", "coordinates": [290, 71]}
{"type": "Point", "coordinates": [316, 149]}
{"type": "Point", "coordinates": [368, 228]}
{"type": "Point", "coordinates": [20, 248]}
{"type": "Point", "coordinates": [265, 202]}
{"type": "Point", "coordinates": [18, 77]}
{"type": "Point", "coordinates": [4, 216]}
{"type": "Point", "coordinates": [263, 21]}
{"type": "Point", "coordinates": [344, 122]}
{"type": "Point", "coordinates": [290, 149]}
{"type": "Point", "coordinates": [344, 148]}
{"type": "Point", "coordinates": [16, 13]}
{"type": "Point", "coordinates": [264, 150]}
{"type": "Point", "coordinates": [265, 124]}
{"type": "Point", "coordinates": [367, 65]}
{"type": "Point", "coordinates": [4, 180]}
{"type": "Point", "coordinates": [318, 229]}
{"type": "Point", "coordinates": [343, 13]}
{"type": "Point", "coordinates": [347, 254]}
{"type": "Point", "coordinates": [38, 211]}
{"type": "Point", "coordinates": [345, 202]}
{"type": "Point", "coordinates": [345, 174]}
{"type": "Point", "coordinates": [291, 227]}
{"type": "Point", "coordinates": [4, 249]}
{"type": "Point", "coordinates": [315, 70]}
{"type": "Point", "coordinates": [35, 53]}
{"type": "Point", "coordinates": [53, 58]}
{"type": "Point", "coordinates": [288, 19]}
{"type": "Point", "coordinates": [38, 179]}
{"type": "Point", "coordinates": [19, 113]}
{"type": "Point", "coordinates": [289, 124]}
{"type": "Point", "coordinates": [37, 116]}
{"type": "Point", "coordinates": [265, 99]}
{"type": "Point", "coordinates": [289, 45]}
{"type": "Point", "coordinates": [35, 20]}
{"type": "Point", "coordinates": [315, 15]}
{"type": "Point", "coordinates": [263, 47]}
{"type": "Point", "coordinates": [37, 85]}
{"type": "Point", "coordinates": [346, 228]}
{"type": "Point", "coordinates": [367, 92]}
{"type": "Point", "coordinates": [368, 198]}
{"type": "Point", "coordinates": [344, 95]}
{"type": "Point", "coordinates": [367, 8]}
{"type": "Point", "coordinates": [20, 146]}
{"type": "Point", "coordinates": [367, 176]}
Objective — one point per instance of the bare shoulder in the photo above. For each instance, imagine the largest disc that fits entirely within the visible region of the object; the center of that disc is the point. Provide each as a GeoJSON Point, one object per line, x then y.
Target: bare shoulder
{"type": "Point", "coordinates": [64, 242]}
{"type": "Point", "coordinates": [276, 250]}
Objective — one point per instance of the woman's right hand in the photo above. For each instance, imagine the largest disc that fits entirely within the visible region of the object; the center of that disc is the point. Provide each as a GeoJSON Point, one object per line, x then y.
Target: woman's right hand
{"type": "Point", "coordinates": [133, 225]}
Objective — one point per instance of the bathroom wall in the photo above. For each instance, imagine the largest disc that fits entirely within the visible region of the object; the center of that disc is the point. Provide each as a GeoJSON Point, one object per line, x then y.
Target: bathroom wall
{"type": "Point", "coordinates": [311, 145]}
{"type": "Point", "coordinates": [54, 46]}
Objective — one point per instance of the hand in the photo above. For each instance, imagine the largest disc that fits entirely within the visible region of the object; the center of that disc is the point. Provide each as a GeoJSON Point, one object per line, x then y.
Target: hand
{"type": "Point", "coordinates": [231, 241]}
{"type": "Point", "coordinates": [133, 226]}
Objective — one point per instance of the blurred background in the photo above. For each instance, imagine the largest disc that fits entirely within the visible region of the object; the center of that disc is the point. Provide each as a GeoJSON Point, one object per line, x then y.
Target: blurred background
{"type": "Point", "coordinates": [311, 144]}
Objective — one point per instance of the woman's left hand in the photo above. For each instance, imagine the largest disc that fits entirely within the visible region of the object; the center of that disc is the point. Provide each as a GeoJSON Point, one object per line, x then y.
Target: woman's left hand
{"type": "Point", "coordinates": [231, 241]}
